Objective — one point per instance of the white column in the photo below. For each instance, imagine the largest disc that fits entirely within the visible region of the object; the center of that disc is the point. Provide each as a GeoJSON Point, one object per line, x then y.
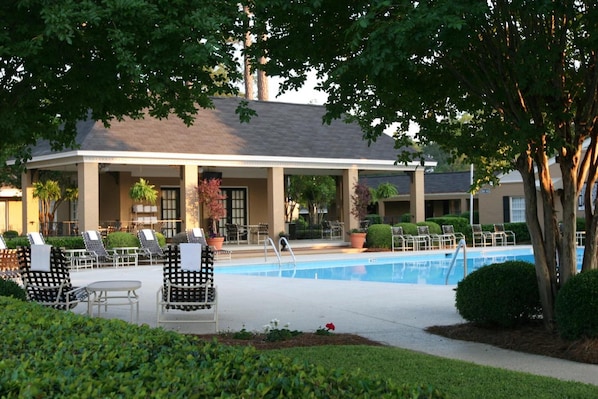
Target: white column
{"type": "Point", "coordinates": [30, 210]}
{"type": "Point", "coordinates": [189, 205]}
{"type": "Point", "coordinates": [350, 178]}
{"type": "Point", "coordinates": [417, 196]}
{"type": "Point", "coordinates": [275, 202]}
{"type": "Point", "coordinates": [89, 196]}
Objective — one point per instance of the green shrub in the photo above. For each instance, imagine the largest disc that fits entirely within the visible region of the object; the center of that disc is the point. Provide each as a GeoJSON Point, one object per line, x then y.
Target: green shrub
{"type": "Point", "coordinates": [521, 231]}
{"type": "Point", "coordinates": [179, 238]}
{"type": "Point", "coordinates": [406, 218]}
{"type": "Point", "coordinates": [374, 219]}
{"type": "Point", "coordinates": [122, 239]}
{"type": "Point", "coordinates": [109, 358]}
{"type": "Point", "coordinates": [17, 242]}
{"type": "Point", "coordinates": [503, 294]}
{"type": "Point", "coordinates": [12, 289]}
{"type": "Point", "coordinates": [8, 234]}
{"type": "Point", "coordinates": [461, 225]}
{"type": "Point", "coordinates": [67, 242]}
{"type": "Point", "coordinates": [576, 306]}
{"type": "Point", "coordinates": [408, 228]}
{"type": "Point", "coordinates": [433, 227]}
{"type": "Point", "coordinates": [379, 236]}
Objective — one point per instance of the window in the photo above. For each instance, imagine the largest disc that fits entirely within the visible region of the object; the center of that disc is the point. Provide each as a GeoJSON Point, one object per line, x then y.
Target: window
{"type": "Point", "coordinates": [517, 209]}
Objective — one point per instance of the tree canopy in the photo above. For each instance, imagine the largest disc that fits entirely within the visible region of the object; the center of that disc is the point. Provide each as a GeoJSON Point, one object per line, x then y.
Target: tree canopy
{"type": "Point", "coordinates": [524, 71]}
{"type": "Point", "coordinates": [63, 61]}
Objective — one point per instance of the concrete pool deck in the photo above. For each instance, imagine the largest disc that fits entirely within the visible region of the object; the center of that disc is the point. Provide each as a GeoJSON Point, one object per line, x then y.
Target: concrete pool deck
{"type": "Point", "coordinates": [394, 314]}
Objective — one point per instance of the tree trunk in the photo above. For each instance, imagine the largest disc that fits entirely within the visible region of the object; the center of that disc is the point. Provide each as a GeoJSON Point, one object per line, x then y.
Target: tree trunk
{"type": "Point", "coordinates": [544, 254]}
{"type": "Point", "coordinates": [247, 72]}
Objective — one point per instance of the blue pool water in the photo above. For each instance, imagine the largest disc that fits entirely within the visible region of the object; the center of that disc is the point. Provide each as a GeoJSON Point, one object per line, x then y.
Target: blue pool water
{"type": "Point", "coordinates": [406, 268]}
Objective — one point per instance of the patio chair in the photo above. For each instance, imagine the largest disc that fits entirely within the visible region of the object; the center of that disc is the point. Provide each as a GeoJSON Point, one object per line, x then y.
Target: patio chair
{"type": "Point", "coordinates": [196, 235]}
{"type": "Point", "coordinates": [235, 233]}
{"type": "Point", "coordinates": [399, 239]}
{"type": "Point", "coordinates": [479, 237]}
{"type": "Point", "coordinates": [332, 229]}
{"type": "Point", "coordinates": [426, 239]}
{"type": "Point", "coordinates": [36, 238]}
{"type": "Point", "coordinates": [9, 263]}
{"type": "Point", "coordinates": [95, 247]}
{"type": "Point", "coordinates": [150, 247]}
{"type": "Point", "coordinates": [261, 233]}
{"type": "Point", "coordinates": [449, 236]}
{"type": "Point", "coordinates": [188, 284]}
{"type": "Point", "coordinates": [46, 278]}
{"type": "Point", "coordinates": [502, 236]}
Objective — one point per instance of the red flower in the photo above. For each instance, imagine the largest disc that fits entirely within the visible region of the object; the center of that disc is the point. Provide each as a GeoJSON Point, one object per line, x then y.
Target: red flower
{"type": "Point", "coordinates": [330, 326]}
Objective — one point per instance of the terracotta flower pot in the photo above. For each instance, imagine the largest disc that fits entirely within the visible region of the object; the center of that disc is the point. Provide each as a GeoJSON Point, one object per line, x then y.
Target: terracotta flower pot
{"type": "Point", "coordinates": [216, 242]}
{"type": "Point", "coordinates": [357, 240]}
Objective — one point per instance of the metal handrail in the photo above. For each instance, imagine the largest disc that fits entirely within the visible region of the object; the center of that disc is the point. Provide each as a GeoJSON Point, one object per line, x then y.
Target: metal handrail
{"type": "Point", "coordinates": [463, 245]}
{"type": "Point", "coordinates": [266, 241]}
{"type": "Point", "coordinates": [288, 245]}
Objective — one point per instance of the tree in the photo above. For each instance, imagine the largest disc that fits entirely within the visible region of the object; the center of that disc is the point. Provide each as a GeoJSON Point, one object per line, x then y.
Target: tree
{"type": "Point", "coordinates": [525, 71]}
{"type": "Point", "coordinates": [64, 61]}
{"type": "Point", "coordinates": [210, 195]}
{"type": "Point", "coordinates": [49, 194]}
{"type": "Point", "coordinates": [360, 199]}
{"type": "Point", "coordinates": [313, 192]}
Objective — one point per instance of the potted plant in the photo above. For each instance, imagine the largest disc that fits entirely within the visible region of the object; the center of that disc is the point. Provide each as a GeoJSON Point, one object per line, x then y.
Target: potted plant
{"type": "Point", "coordinates": [360, 200]}
{"type": "Point", "coordinates": [212, 198]}
{"type": "Point", "coordinates": [142, 191]}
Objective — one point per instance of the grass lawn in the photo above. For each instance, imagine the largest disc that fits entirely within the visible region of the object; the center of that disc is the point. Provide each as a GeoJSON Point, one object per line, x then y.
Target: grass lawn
{"type": "Point", "coordinates": [456, 378]}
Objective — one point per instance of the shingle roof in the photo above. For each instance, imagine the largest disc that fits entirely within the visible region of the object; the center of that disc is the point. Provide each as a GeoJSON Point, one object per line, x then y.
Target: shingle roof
{"type": "Point", "coordinates": [434, 183]}
{"type": "Point", "coordinates": [279, 129]}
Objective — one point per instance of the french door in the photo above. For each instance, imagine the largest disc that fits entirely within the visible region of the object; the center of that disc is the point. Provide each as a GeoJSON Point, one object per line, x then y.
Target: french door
{"type": "Point", "coordinates": [171, 211]}
{"type": "Point", "coordinates": [236, 206]}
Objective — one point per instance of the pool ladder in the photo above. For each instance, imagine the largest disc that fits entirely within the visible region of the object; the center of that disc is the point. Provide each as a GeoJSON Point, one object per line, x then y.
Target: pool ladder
{"type": "Point", "coordinates": [268, 242]}
{"type": "Point", "coordinates": [463, 245]}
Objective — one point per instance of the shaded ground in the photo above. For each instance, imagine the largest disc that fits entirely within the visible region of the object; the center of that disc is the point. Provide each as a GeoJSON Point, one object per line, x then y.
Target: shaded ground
{"type": "Point", "coordinates": [530, 339]}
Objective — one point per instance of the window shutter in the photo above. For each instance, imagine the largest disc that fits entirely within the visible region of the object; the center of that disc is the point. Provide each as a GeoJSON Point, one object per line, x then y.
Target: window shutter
{"type": "Point", "coordinates": [506, 209]}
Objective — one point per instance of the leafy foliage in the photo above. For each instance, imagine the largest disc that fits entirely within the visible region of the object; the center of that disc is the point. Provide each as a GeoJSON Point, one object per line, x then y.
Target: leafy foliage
{"type": "Point", "coordinates": [210, 195]}
{"type": "Point", "coordinates": [140, 362]}
{"type": "Point", "coordinates": [67, 60]}
{"type": "Point", "coordinates": [503, 294]}
{"type": "Point", "coordinates": [143, 191]}
{"type": "Point", "coordinates": [360, 199]}
{"type": "Point", "coordinates": [122, 239]}
{"type": "Point", "coordinates": [378, 236]}
{"type": "Point", "coordinates": [505, 85]}
{"type": "Point", "coordinates": [576, 307]}
{"type": "Point", "coordinates": [12, 289]}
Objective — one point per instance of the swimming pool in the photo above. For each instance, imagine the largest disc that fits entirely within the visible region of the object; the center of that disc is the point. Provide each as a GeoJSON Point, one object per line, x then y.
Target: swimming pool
{"type": "Point", "coordinates": [394, 267]}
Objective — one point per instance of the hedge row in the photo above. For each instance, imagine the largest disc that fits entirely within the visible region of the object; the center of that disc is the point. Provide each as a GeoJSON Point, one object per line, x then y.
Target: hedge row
{"type": "Point", "coordinates": [47, 354]}
{"type": "Point", "coordinates": [113, 240]}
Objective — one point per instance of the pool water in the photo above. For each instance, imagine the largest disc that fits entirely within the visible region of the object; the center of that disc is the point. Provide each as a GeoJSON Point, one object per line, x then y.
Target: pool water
{"type": "Point", "coordinates": [402, 268]}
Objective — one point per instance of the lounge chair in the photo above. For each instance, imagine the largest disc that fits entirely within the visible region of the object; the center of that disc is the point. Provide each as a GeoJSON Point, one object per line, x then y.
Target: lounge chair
{"type": "Point", "coordinates": [188, 284]}
{"type": "Point", "coordinates": [196, 235]}
{"type": "Point", "coordinates": [150, 247]}
{"type": "Point", "coordinates": [502, 236]}
{"type": "Point", "coordinates": [95, 247]}
{"type": "Point", "coordinates": [36, 238]}
{"type": "Point", "coordinates": [46, 277]}
{"type": "Point", "coordinates": [480, 237]}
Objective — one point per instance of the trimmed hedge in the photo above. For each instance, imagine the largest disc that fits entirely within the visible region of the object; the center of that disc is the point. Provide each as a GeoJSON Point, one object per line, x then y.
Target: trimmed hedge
{"type": "Point", "coordinates": [378, 236]}
{"type": "Point", "coordinates": [48, 353]}
{"type": "Point", "coordinates": [10, 288]}
{"type": "Point", "coordinates": [503, 294]}
{"type": "Point", "coordinates": [576, 306]}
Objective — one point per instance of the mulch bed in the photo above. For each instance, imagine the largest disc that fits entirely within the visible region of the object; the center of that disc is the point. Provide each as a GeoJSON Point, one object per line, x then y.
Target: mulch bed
{"type": "Point", "coordinates": [532, 338]}
{"type": "Point", "coordinates": [302, 340]}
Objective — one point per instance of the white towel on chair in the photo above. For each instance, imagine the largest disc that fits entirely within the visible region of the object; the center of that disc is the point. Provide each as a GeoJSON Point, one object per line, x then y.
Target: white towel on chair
{"type": "Point", "coordinates": [40, 258]}
{"type": "Point", "coordinates": [190, 257]}
{"type": "Point", "coordinates": [93, 235]}
{"type": "Point", "coordinates": [148, 234]}
{"type": "Point", "coordinates": [197, 232]}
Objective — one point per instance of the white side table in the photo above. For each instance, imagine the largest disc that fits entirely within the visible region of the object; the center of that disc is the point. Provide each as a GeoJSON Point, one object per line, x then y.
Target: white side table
{"type": "Point", "coordinates": [126, 256]}
{"type": "Point", "coordinates": [114, 292]}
